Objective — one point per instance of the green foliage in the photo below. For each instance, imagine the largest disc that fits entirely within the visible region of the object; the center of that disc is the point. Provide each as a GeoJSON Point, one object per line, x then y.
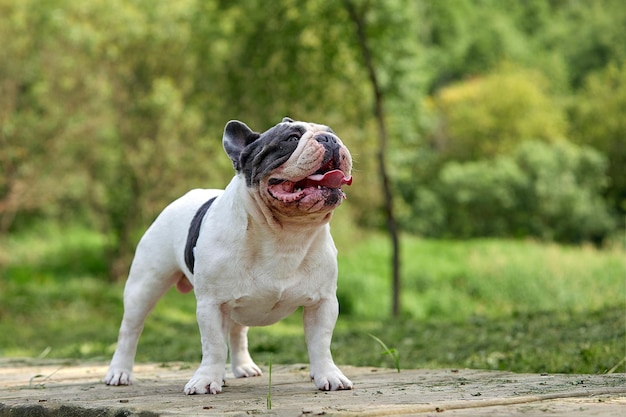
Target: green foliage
{"type": "Point", "coordinates": [587, 35]}
{"type": "Point", "coordinates": [477, 120]}
{"type": "Point", "coordinates": [564, 199]}
{"type": "Point", "coordinates": [597, 120]}
{"type": "Point", "coordinates": [482, 198]}
{"type": "Point", "coordinates": [466, 38]}
{"type": "Point", "coordinates": [551, 191]}
{"type": "Point", "coordinates": [111, 109]}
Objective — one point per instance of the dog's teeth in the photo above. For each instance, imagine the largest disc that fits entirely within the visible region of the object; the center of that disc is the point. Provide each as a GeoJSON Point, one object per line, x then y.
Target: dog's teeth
{"type": "Point", "coordinates": [319, 187]}
{"type": "Point", "coordinates": [297, 190]}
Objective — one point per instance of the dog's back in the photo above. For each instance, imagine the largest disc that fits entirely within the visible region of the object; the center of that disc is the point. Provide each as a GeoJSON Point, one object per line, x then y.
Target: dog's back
{"type": "Point", "coordinates": [172, 226]}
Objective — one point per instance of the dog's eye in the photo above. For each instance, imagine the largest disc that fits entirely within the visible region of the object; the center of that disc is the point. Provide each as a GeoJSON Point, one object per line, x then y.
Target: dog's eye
{"type": "Point", "coordinates": [293, 138]}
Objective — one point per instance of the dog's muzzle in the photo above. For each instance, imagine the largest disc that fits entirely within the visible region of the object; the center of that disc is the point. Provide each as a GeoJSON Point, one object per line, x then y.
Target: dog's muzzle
{"type": "Point", "coordinates": [322, 187]}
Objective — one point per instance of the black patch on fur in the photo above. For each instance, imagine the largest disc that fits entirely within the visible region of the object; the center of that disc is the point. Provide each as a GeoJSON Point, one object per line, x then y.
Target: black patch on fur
{"type": "Point", "coordinates": [269, 152]}
{"type": "Point", "coordinates": [194, 233]}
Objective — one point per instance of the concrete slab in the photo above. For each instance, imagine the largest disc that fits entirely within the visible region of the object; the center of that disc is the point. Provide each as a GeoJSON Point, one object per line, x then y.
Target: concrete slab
{"type": "Point", "coordinates": [49, 388]}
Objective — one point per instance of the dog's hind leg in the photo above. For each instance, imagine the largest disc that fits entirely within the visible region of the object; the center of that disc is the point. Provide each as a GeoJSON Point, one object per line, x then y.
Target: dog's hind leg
{"type": "Point", "coordinates": [145, 286]}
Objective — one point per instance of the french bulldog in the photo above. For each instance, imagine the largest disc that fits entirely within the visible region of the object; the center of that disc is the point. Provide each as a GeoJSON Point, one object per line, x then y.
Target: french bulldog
{"type": "Point", "coordinates": [252, 253]}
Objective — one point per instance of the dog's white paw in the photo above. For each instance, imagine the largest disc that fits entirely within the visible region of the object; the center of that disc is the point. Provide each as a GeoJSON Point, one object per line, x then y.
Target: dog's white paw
{"type": "Point", "coordinates": [118, 377]}
{"type": "Point", "coordinates": [330, 379]}
{"type": "Point", "coordinates": [246, 370]}
{"type": "Point", "coordinates": [201, 384]}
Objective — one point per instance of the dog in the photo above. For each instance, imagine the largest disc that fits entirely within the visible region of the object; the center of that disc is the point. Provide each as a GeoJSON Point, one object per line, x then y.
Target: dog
{"type": "Point", "coordinates": [252, 253]}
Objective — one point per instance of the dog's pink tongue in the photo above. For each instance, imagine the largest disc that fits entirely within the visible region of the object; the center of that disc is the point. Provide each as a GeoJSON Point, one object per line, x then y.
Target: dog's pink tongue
{"type": "Point", "coordinates": [331, 179]}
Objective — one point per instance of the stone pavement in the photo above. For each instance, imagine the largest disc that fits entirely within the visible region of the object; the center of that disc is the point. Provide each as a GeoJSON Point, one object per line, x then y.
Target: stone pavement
{"type": "Point", "coordinates": [56, 388]}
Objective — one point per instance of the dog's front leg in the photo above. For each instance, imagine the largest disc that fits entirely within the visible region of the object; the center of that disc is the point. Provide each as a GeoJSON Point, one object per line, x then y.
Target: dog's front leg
{"type": "Point", "coordinates": [209, 377]}
{"type": "Point", "coordinates": [319, 323]}
{"type": "Point", "coordinates": [242, 364]}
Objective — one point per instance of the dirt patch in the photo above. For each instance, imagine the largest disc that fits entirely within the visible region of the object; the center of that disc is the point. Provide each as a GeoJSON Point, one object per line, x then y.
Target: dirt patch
{"type": "Point", "coordinates": [61, 389]}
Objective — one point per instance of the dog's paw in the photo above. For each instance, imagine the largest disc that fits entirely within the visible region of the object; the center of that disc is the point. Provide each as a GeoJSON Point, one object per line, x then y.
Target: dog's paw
{"type": "Point", "coordinates": [246, 370]}
{"type": "Point", "coordinates": [204, 385]}
{"type": "Point", "coordinates": [118, 377]}
{"type": "Point", "coordinates": [330, 379]}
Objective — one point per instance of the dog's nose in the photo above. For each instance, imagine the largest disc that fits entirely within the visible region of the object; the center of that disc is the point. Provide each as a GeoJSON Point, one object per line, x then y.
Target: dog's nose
{"type": "Point", "coordinates": [326, 138]}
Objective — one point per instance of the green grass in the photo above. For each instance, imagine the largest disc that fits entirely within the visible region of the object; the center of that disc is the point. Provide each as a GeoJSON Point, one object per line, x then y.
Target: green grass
{"type": "Point", "coordinates": [494, 304]}
{"type": "Point", "coordinates": [392, 352]}
{"type": "Point", "coordinates": [457, 279]}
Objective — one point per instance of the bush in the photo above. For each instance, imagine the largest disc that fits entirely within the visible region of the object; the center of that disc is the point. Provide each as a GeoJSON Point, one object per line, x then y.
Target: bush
{"type": "Point", "coordinates": [488, 116]}
{"type": "Point", "coordinates": [548, 190]}
{"type": "Point", "coordinates": [564, 199]}
{"type": "Point", "coordinates": [481, 198]}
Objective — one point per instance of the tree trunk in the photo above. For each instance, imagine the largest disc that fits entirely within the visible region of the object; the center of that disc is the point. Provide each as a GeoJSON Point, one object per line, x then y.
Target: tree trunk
{"type": "Point", "coordinates": [379, 113]}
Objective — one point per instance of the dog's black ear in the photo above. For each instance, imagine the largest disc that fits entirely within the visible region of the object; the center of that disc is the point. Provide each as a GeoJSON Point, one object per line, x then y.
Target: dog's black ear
{"type": "Point", "coordinates": [237, 135]}
{"type": "Point", "coordinates": [287, 120]}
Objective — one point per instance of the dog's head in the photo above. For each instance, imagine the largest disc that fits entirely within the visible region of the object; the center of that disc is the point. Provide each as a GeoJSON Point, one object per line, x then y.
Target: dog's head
{"type": "Point", "coordinates": [297, 168]}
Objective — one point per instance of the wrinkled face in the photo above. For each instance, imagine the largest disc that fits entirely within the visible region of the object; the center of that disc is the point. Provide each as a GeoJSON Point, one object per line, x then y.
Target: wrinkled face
{"type": "Point", "coordinates": [297, 168]}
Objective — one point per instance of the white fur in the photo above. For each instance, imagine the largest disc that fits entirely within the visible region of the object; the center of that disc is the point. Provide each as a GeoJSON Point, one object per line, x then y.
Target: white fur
{"type": "Point", "coordinates": [250, 271]}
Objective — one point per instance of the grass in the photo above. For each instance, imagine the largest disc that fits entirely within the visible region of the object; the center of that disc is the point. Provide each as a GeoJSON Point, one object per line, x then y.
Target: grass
{"type": "Point", "coordinates": [493, 278]}
{"type": "Point", "coordinates": [392, 352]}
{"type": "Point", "coordinates": [494, 304]}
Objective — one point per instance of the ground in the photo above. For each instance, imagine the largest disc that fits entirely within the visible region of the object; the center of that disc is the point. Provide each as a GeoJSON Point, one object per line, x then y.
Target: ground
{"type": "Point", "coordinates": [49, 388]}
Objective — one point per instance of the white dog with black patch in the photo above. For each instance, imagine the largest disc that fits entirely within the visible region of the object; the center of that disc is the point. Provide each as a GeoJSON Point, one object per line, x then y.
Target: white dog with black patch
{"type": "Point", "coordinates": [252, 253]}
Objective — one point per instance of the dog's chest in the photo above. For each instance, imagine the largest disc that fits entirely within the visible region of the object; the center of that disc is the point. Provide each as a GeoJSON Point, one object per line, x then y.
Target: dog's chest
{"type": "Point", "coordinates": [264, 309]}
{"type": "Point", "coordinates": [264, 296]}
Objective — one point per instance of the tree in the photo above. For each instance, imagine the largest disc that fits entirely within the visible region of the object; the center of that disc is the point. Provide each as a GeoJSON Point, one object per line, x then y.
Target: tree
{"type": "Point", "coordinates": [385, 24]}
{"type": "Point", "coordinates": [51, 112]}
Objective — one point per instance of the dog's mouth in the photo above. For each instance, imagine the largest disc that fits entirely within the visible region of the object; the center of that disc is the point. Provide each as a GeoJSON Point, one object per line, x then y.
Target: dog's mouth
{"type": "Point", "coordinates": [322, 184]}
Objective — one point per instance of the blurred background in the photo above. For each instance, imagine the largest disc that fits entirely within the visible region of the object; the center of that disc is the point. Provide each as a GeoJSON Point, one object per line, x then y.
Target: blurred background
{"type": "Point", "coordinates": [487, 135]}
